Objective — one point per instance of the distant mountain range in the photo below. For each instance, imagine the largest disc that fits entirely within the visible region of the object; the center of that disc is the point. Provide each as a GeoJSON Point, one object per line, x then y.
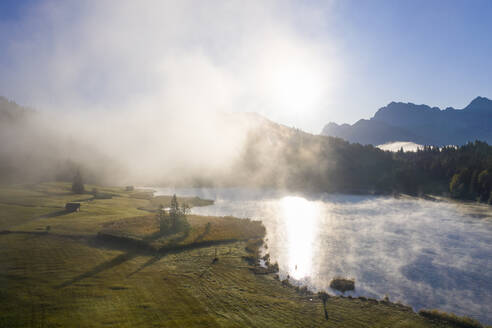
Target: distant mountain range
{"type": "Point", "coordinates": [420, 124]}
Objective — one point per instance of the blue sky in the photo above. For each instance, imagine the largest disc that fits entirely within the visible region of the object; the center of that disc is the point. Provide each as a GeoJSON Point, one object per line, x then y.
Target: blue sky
{"type": "Point", "coordinates": [433, 52]}
{"type": "Point", "coordinates": [11, 9]}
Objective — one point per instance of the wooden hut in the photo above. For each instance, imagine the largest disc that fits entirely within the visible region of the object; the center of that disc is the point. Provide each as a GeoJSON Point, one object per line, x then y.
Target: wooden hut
{"type": "Point", "coordinates": [72, 207]}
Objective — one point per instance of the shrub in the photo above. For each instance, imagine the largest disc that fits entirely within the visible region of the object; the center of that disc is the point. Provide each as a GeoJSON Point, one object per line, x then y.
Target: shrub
{"type": "Point", "coordinates": [251, 259]}
{"type": "Point", "coordinates": [303, 290]}
{"type": "Point", "coordinates": [286, 282]}
{"type": "Point", "coordinates": [342, 284]}
{"type": "Point", "coordinates": [450, 318]}
{"type": "Point", "coordinates": [253, 245]}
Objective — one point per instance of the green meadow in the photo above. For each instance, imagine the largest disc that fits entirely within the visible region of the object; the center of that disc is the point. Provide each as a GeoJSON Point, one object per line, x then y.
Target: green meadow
{"type": "Point", "coordinates": [59, 269]}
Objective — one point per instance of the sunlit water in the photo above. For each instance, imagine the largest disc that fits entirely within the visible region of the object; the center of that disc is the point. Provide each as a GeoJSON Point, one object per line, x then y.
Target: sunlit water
{"type": "Point", "coordinates": [421, 253]}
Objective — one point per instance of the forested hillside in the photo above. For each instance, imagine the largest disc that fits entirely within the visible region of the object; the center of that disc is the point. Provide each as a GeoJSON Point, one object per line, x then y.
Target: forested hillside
{"type": "Point", "coordinates": [465, 172]}
{"type": "Point", "coordinates": [279, 156]}
{"type": "Point", "coordinates": [272, 155]}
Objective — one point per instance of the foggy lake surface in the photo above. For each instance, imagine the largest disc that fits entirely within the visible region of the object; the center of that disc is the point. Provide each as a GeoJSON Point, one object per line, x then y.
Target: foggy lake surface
{"type": "Point", "coordinates": [422, 253]}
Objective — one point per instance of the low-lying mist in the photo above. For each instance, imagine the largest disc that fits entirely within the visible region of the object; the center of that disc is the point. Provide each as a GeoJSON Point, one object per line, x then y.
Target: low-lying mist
{"type": "Point", "coordinates": [130, 147]}
{"type": "Point", "coordinates": [196, 149]}
{"type": "Point", "coordinates": [152, 92]}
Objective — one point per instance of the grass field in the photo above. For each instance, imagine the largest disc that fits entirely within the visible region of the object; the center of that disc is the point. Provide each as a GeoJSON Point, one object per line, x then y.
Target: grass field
{"type": "Point", "coordinates": [68, 277]}
{"type": "Point", "coordinates": [203, 230]}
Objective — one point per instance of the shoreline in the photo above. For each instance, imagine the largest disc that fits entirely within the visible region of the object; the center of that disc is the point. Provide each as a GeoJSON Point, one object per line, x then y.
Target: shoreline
{"type": "Point", "coordinates": [185, 286]}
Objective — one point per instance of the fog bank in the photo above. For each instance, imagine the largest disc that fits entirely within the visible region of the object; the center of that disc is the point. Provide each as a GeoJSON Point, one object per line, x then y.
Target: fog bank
{"type": "Point", "coordinates": [139, 89]}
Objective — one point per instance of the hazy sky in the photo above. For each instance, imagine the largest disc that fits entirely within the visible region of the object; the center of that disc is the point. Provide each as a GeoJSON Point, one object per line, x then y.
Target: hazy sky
{"type": "Point", "coordinates": [301, 63]}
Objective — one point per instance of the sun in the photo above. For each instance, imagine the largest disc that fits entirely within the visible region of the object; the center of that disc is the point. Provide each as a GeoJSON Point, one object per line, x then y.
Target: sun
{"type": "Point", "coordinates": [296, 87]}
{"type": "Point", "coordinates": [295, 80]}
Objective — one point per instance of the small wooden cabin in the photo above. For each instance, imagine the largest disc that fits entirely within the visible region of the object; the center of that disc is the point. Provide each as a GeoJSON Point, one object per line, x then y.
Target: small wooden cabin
{"type": "Point", "coordinates": [72, 207]}
{"type": "Point", "coordinates": [129, 188]}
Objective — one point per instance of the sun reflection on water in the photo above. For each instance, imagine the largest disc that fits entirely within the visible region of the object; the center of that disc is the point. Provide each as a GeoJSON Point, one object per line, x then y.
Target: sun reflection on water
{"type": "Point", "coordinates": [300, 219]}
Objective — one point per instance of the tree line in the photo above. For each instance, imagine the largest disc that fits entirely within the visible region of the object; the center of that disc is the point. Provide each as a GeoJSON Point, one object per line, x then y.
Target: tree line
{"type": "Point", "coordinates": [295, 160]}
{"type": "Point", "coordinates": [464, 172]}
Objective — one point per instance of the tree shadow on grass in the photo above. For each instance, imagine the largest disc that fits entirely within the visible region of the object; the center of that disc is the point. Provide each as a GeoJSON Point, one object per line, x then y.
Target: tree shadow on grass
{"type": "Point", "coordinates": [133, 251]}
{"type": "Point", "coordinates": [162, 252]}
{"type": "Point", "coordinates": [120, 259]}
{"type": "Point", "coordinates": [53, 214]}
{"type": "Point", "coordinates": [151, 261]}
{"type": "Point", "coordinates": [203, 234]}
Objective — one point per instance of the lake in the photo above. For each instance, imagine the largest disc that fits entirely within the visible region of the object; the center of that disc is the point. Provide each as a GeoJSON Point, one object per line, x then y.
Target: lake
{"type": "Point", "coordinates": [422, 253]}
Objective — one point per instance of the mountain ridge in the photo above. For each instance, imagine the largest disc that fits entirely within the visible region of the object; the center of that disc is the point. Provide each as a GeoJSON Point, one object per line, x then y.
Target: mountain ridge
{"type": "Point", "coordinates": [399, 121]}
